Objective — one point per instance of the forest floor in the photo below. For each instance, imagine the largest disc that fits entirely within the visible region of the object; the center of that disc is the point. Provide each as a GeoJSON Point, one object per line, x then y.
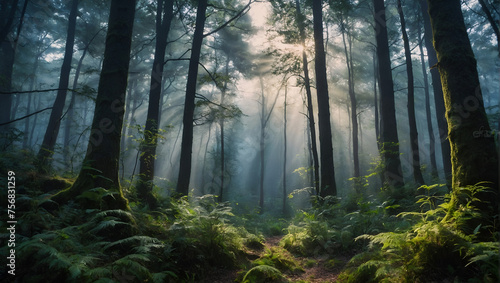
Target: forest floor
{"type": "Point", "coordinates": [317, 269]}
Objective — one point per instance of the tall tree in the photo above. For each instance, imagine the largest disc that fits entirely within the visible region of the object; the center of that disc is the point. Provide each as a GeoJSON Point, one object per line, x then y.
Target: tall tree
{"type": "Point", "coordinates": [438, 94]}
{"type": "Point", "coordinates": [7, 14]}
{"type": "Point", "coordinates": [347, 41]}
{"type": "Point", "coordinates": [52, 131]}
{"type": "Point", "coordinates": [494, 24]}
{"type": "Point", "coordinates": [164, 14]}
{"type": "Point", "coordinates": [101, 164]}
{"type": "Point", "coordinates": [392, 173]}
{"type": "Point", "coordinates": [265, 115]}
{"type": "Point", "coordinates": [328, 186]}
{"type": "Point", "coordinates": [8, 45]}
{"type": "Point", "coordinates": [300, 18]}
{"type": "Point", "coordinates": [189, 102]}
{"type": "Point", "coordinates": [414, 144]}
{"type": "Point", "coordinates": [430, 128]}
{"type": "Point", "coordinates": [69, 121]}
{"type": "Point", "coordinates": [473, 153]}
{"type": "Point", "coordinates": [285, 122]}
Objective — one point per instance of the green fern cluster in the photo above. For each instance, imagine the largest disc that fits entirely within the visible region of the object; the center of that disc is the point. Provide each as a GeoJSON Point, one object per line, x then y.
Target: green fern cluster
{"type": "Point", "coordinates": [331, 227]}
{"type": "Point", "coordinates": [104, 249]}
{"type": "Point", "coordinates": [436, 247]}
{"type": "Point", "coordinates": [203, 236]}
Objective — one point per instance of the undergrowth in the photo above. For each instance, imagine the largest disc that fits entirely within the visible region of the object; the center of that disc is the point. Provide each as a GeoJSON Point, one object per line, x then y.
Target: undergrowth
{"type": "Point", "coordinates": [438, 247]}
{"type": "Point", "coordinates": [179, 242]}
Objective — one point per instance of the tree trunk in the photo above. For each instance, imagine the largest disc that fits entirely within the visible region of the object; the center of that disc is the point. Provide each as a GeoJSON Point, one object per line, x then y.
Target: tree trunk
{"type": "Point", "coordinates": [310, 110]}
{"type": "Point", "coordinates": [150, 142]}
{"type": "Point", "coordinates": [101, 163]}
{"type": "Point", "coordinates": [7, 13]}
{"type": "Point", "coordinates": [432, 140]}
{"type": "Point", "coordinates": [328, 186]}
{"type": "Point", "coordinates": [262, 146]}
{"type": "Point", "coordinates": [49, 140]}
{"type": "Point", "coordinates": [473, 153]}
{"type": "Point", "coordinates": [7, 53]}
{"type": "Point", "coordinates": [393, 175]}
{"type": "Point", "coordinates": [283, 209]}
{"type": "Point", "coordinates": [222, 135]}
{"type": "Point", "coordinates": [375, 99]}
{"type": "Point", "coordinates": [494, 24]}
{"type": "Point", "coordinates": [353, 101]}
{"type": "Point", "coordinates": [415, 150]}
{"type": "Point", "coordinates": [438, 94]}
{"type": "Point", "coordinates": [189, 103]}
{"type": "Point", "coordinates": [71, 111]}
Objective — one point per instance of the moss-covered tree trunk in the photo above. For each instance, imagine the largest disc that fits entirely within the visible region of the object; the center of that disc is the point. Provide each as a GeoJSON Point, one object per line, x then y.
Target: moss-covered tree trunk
{"type": "Point", "coordinates": [101, 163]}
{"type": "Point", "coordinates": [473, 154]}
{"type": "Point", "coordinates": [438, 94]}
{"type": "Point", "coordinates": [164, 14]}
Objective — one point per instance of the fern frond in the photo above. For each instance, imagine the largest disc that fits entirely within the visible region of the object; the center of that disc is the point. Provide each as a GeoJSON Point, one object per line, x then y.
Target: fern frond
{"type": "Point", "coordinates": [114, 212]}
{"type": "Point", "coordinates": [163, 276]}
{"type": "Point", "coordinates": [108, 224]}
{"type": "Point", "coordinates": [134, 240]}
{"type": "Point", "coordinates": [98, 272]}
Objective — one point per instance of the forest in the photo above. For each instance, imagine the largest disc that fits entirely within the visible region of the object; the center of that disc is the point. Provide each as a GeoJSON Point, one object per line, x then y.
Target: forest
{"type": "Point", "coordinates": [249, 140]}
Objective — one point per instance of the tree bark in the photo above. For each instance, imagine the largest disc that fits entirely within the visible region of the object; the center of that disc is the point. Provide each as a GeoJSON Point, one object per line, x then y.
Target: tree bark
{"type": "Point", "coordinates": [101, 164]}
{"type": "Point", "coordinates": [352, 99]}
{"type": "Point", "coordinates": [415, 150]}
{"type": "Point", "coordinates": [189, 103]}
{"type": "Point", "coordinates": [393, 175]}
{"type": "Point", "coordinates": [49, 140]}
{"type": "Point", "coordinates": [328, 186]}
{"type": "Point", "coordinates": [307, 84]}
{"type": "Point", "coordinates": [7, 54]}
{"type": "Point", "coordinates": [473, 153]}
{"type": "Point", "coordinates": [430, 128]}
{"type": "Point", "coordinates": [494, 24]}
{"type": "Point", "coordinates": [7, 14]}
{"type": "Point", "coordinates": [283, 205]}
{"type": "Point", "coordinates": [438, 94]}
{"type": "Point", "coordinates": [148, 157]}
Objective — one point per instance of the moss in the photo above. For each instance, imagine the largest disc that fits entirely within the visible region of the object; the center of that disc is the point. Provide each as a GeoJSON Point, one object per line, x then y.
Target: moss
{"type": "Point", "coordinates": [280, 259]}
{"type": "Point", "coordinates": [263, 273]}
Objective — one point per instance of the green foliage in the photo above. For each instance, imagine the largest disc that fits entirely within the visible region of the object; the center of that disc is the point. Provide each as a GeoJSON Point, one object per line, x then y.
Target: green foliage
{"type": "Point", "coordinates": [202, 234]}
{"type": "Point", "coordinates": [434, 248]}
{"type": "Point", "coordinates": [263, 273]}
{"type": "Point", "coordinates": [331, 227]}
{"type": "Point", "coordinates": [71, 244]}
{"type": "Point", "coordinates": [280, 259]}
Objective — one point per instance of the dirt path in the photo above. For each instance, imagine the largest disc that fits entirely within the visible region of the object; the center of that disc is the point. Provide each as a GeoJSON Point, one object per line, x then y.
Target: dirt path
{"type": "Point", "coordinates": [316, 269]}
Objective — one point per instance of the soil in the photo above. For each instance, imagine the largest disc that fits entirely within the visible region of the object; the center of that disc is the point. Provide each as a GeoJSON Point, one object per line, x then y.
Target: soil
{"type": "Point", "coordinates": [319, 269]}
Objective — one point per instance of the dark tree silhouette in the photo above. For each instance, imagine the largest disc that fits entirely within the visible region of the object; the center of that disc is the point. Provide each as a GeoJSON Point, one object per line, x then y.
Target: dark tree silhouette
{"type": "Point", "coordinates": [414, 144]}
{"type": "Point", "coordinates": [189, 102]}
{"type": "Point", "coordinates": [393, 175]}
{"type": "Point", "coordinates": [52, 131]}
{"type": "Point", "coordinates": [100, 166]}
{"type": "Point", "coordinates": [328, 186]}
{"type": "Point", "coordinates": [299, 18]}
{"type": "Point", "coordinates": [164, 14]}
